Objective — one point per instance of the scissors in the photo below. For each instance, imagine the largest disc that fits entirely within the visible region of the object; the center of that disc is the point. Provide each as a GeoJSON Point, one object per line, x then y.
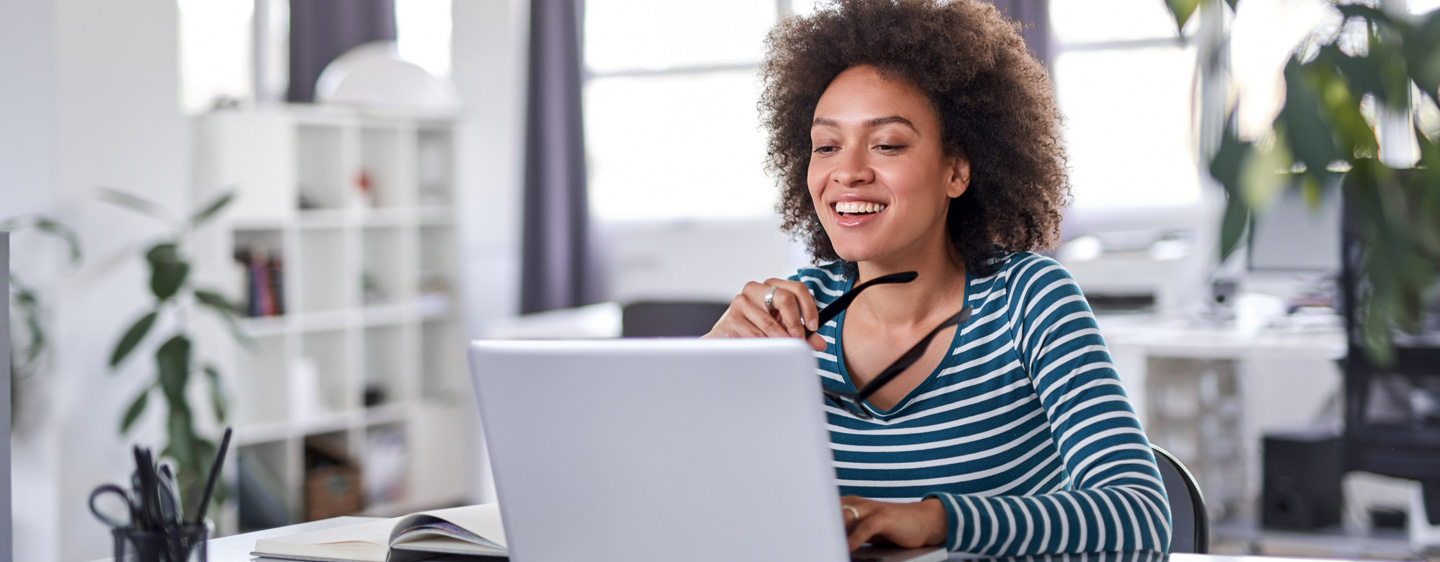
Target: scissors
{"type": "Point", "coordinates": [131, 506]}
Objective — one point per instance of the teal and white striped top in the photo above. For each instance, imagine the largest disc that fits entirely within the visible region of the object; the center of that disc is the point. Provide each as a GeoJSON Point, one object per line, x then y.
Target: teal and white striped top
{"type": "Point", "coordinates": [1023, 431]}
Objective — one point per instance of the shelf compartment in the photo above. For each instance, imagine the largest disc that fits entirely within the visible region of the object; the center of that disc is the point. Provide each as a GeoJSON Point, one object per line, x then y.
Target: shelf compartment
{"type": "Point", "coordinates": [438, 257]}
{"type": "Point", "coordinates": [321, 376]}
{"type": "Point", "coordinates": [325, 272]}
{"type": "Point", "coordinates": [387, 464]}
{"type": "Point", "coordinates": [383, 272]}
{"type": "Point", "coordinates": [381, 164]}
{"type": "Point", "coordinates": [321, 162]}
{"type": "Point", "coordinates": [262, 397]}
{"type": "Point", "coordinates": [258, 285]}
{"type": "Point", "coordinates": [386, 358]}
{"type": "Point", "coordinates": [434, 165]}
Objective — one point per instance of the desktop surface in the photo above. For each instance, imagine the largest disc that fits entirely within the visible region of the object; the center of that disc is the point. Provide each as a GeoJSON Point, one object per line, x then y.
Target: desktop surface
{"type": "Point", "coordinates": [237, 548]}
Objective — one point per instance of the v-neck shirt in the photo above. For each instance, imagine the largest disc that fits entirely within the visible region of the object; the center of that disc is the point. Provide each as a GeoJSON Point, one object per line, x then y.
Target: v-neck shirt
{"type": "Point", "coordinates": [1023, 431]}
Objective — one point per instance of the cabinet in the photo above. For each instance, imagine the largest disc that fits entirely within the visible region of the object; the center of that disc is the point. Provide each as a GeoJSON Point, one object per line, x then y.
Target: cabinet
{"type": "Point", "coordinates": [342, 247]}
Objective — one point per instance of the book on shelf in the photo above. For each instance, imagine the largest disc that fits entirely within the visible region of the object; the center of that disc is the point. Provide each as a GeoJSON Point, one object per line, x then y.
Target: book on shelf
{"type": "Point", "coordinates": [473, 530]}
{"type": "Point", "coordinates": [264, 283]}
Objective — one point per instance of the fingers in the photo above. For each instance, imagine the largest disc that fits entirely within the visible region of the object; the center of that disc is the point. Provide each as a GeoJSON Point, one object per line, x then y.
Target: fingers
{"type": "Point", "coordinates": [796, 306]}
{"type": "Point", "coordinates": [750, 304]}
{"type": "Point", "coordinates": [793, 311]}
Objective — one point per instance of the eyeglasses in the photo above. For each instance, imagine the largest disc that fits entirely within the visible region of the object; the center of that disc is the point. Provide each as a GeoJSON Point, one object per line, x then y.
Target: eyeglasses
{"type": "Point", "coordinates": [852, 402]}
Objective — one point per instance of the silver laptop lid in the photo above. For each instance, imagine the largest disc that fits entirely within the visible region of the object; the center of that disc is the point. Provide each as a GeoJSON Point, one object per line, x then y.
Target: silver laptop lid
{"type": "Point", "coordinates": [643, 450]}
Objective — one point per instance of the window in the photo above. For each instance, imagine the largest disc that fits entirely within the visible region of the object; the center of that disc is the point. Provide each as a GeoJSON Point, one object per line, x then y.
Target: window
{"type": "Point", "coordinates": [671, 128]}
{"type": "Point", "coordinates": [1124, 84]}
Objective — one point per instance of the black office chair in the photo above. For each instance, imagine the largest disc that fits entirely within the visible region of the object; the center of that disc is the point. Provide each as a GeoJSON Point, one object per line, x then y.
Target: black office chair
{"type": "Point", "coordinates": [664, 319]}
{"type": "Point", "coordinates": [1190, 526]}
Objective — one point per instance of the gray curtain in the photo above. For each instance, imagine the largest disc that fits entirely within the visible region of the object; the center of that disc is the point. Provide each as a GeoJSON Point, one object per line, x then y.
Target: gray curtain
{"type": "Point", "coordinates": [7, 543]}
{"type": "Point", "coordinates": [1034, 15]}
{"type": "Point", "coordinates": [321, 30]}
{"type": "Point", "coordinates": [557, 264]}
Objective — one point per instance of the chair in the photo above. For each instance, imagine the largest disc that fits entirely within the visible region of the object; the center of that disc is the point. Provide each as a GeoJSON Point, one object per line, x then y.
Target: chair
{"type": "Point", "coordinates": [661, 319]}
{"type": "Point", "coordinates": [1190, 525]}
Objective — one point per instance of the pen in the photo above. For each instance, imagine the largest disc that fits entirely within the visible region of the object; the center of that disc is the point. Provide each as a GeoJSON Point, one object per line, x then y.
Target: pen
{"type": "Point", "coordinates": [214, 475]}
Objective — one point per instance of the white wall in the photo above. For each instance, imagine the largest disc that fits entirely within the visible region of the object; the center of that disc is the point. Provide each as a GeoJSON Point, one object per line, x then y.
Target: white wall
{"type": "Point", "coordinates": [91, 99]}
{"type": "Point", "coordinates": [489, 43]}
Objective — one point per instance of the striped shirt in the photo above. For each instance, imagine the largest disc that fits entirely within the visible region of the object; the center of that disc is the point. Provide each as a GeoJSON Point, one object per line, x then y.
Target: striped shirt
{"type": "Point", "coordinates": [1022, 431]}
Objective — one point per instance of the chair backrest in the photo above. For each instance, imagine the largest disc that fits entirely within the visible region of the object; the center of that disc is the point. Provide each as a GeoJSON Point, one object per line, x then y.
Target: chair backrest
{"type": "Point", "coordinates": [1190, 525]}
{"type": "Point", "coordinates": [656, 319]}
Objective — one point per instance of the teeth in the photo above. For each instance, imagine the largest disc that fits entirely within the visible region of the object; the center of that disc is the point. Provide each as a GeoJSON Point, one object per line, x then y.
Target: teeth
{"type": "Point", "coordinates": [858, 207]}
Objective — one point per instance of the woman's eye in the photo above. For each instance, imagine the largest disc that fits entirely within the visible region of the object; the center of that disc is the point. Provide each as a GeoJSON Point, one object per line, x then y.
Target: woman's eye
{"type": "Point", "coordinates": [889, 147]}
{"type": "Point", "coordinates": [826, 149]}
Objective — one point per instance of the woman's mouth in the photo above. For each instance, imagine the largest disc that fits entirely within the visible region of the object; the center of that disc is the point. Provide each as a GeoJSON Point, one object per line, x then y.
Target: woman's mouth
{"type": "Point", "coordinates": [857, 208]}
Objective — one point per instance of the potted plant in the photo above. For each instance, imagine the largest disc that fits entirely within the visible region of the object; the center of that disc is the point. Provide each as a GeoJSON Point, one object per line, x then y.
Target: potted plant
{"type": "Point", "coordinates": [1325, 139]}
{"type": "Point", "coordinates": [174, 295]}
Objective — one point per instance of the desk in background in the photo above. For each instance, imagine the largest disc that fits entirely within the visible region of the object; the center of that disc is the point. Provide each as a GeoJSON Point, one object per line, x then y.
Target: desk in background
{"type": "Point", "coordinates": [1207, 393]}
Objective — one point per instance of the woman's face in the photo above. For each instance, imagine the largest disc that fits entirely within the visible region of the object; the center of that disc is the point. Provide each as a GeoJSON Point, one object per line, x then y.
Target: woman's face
{"type": "Point", "coordinates": [878, 176]}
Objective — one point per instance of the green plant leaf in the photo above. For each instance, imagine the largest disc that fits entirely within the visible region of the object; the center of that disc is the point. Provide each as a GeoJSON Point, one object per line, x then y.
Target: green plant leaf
{"type": "Point", "coordinates": [167, 271]}
{"type": "Point", "coordinates": [132, 202]}
{"type": "Point", "coordinates": [133, 412]}
{"type": "Point", "coordinates": [132, 338]}
{"type": "Point", "coordinates": [182, 437]}
{"type": "Point", "coordinates": [1234, 4]}
{"type": "Point", "coordinates": [216, 302]}
{"type": "Point", "coordinates": [1225, 165]}
{"type": "Point", "coordinates": [217, 392]}
{"type": "Point", "coordinates": [1307, 131]}
{"type": "Point", "coordinates": [209, 211]}
{"type": "Point", "coordinates": [1232, 227]}
{"type": "Point", "coordinates": [1182, 10]}
{"type": "Point", "coordinates": [173, 360]}
{"type": "Point", "coordinates": [55, 228]}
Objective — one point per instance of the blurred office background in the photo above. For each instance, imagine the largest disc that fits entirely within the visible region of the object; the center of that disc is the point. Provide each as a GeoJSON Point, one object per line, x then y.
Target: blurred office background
{"type": "Point", "coordinates": [548, 168]}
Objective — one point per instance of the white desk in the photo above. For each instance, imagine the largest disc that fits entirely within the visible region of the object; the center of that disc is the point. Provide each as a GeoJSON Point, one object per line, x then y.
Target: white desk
{"type": "Point", "coordinates": [237, 548]}
{"type": "Point", "coordinates": [1268, 380]}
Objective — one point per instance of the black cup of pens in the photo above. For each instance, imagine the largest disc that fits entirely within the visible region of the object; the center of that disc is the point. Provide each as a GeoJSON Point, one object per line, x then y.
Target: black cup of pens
{"type": "Point", "coordinates": [147, 515]}
{"type": "Point", "coordinates": [184, 543]}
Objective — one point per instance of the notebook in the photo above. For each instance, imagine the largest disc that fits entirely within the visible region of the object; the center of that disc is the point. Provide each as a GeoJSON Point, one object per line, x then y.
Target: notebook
{"type": "Point", "coordinates": [472, 530]}
{"type": "Point", "coordinates": [663, 449]}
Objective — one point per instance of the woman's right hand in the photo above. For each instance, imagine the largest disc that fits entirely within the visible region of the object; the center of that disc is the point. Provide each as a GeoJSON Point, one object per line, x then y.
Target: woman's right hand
{"type": "Point", "coordinates": [794, 311]}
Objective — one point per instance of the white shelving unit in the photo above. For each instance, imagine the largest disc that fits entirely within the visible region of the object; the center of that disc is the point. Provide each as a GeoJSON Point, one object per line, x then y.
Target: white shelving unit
{"type": "Point", "coordinates": [368, 352]}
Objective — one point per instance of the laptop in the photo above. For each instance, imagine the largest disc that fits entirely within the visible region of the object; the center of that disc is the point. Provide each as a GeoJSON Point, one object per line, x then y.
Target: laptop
{"type": "Point", "coordinates": [663, 449]}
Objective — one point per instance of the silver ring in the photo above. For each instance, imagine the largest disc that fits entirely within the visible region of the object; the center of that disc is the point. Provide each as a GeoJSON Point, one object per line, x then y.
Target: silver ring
{"type": "Point", "coordinates": [851, 510]}
{"type": "Point", "coordinates": [770, 299]}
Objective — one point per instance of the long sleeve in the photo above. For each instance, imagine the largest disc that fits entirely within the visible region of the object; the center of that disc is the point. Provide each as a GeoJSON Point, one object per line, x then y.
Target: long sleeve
{"type": "Point", "coordinates": [1110, 496]}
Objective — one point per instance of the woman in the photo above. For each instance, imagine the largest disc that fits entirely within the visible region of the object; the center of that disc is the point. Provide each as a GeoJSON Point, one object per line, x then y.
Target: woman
{"type": "Point", "coordinates": [919, 135]}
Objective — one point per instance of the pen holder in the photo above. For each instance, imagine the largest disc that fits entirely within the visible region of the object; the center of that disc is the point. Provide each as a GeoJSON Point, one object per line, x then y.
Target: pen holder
{"type": "Point", "coordinates": [181, 544]}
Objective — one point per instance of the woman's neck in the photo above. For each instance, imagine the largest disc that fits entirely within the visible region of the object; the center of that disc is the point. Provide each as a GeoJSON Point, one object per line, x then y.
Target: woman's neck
{"type": "Point", "coordinates": [919, 304]}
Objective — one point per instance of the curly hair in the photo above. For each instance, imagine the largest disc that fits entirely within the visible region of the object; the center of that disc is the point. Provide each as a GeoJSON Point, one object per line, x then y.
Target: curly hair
{"type": "Point", "coordinates": [994, 101]}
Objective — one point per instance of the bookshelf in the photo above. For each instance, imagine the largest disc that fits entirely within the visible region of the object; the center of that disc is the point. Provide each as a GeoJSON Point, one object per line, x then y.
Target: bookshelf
{"type": "Point", "coordinates": [342, 246]}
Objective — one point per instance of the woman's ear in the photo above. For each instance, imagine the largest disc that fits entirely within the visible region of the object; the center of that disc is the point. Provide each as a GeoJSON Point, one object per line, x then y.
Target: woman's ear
{"type": "Point", "coordinates": [959, 176]}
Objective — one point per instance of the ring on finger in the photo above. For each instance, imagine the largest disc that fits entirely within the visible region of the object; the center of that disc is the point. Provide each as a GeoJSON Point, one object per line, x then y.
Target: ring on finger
{"type": "Point", "coordinates": [770, 298]}
{"type": "Point", "coordinates": [852, 511]}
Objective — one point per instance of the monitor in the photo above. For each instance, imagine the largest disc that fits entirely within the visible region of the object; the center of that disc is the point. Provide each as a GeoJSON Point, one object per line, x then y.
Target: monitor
{"type": "Point", "coordinates": [1293, 237]}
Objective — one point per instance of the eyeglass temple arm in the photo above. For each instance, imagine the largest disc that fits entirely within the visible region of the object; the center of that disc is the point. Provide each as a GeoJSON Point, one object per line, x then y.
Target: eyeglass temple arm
{"type": "Point", "coordinates": [912, 355]}
{"type": "Point", "coordinates": [838, 305]}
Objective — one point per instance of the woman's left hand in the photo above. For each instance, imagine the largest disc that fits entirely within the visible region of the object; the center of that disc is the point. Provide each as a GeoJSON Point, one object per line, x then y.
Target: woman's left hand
{"type": "Point", "coordinates": [907, 525]}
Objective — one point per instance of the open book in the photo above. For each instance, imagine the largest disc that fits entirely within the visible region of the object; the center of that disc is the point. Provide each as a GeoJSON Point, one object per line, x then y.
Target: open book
{"type": "Point", "coordinates": [471, 530]}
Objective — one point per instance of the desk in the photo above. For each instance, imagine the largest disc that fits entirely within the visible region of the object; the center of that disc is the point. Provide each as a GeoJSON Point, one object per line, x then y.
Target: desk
{"type": "Point", "coordinates": [1208, 392]}
{"type": "Point", "coordinates": [237, 548]}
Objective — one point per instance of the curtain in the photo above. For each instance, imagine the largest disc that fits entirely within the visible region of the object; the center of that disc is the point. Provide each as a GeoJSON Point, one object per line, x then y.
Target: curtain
{"type": "Point", "coordinates": [321, 30]}
{"type": "Point", "coordinates": [557, 264]}
{"type": "Point", "coordinates": [1034, 15]}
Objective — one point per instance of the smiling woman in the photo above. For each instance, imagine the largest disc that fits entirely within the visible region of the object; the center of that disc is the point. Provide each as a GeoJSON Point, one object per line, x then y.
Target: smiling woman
{"type": "Point", "coordinates": [920, 135]}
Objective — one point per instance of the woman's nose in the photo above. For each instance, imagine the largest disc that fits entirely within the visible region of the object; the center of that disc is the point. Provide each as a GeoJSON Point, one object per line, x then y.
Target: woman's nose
{"type": "Point", "coordinates": [853, 168]}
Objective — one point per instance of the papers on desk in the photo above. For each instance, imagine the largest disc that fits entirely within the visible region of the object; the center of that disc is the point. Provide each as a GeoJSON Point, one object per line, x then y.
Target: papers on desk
{"type": "Point", "coordinates": [472, 530]}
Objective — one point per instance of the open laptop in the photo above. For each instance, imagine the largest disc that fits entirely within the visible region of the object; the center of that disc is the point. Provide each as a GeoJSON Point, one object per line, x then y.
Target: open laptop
{"type": "Point", "coordinates": [665, 449]}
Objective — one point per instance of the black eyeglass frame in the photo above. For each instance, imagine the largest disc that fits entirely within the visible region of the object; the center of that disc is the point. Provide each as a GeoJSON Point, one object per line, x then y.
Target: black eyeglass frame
{"type": "Point", "coordinates": [853, 402]}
